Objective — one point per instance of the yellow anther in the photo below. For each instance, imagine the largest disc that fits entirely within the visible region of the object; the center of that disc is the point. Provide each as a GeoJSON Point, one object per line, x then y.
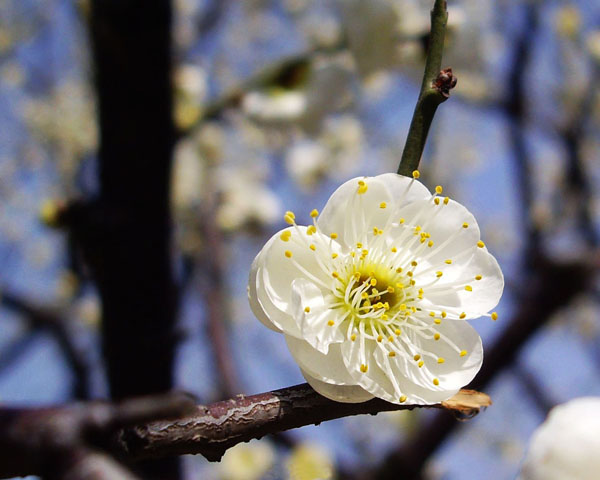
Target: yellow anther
{"type": "Point", "coordinates": [353, 254]}
{"type": "Point", "coordinates": [391, 289]}
{"type": "Point", "coordinates": [334, 236]}
{"type": "Point", "coordinates": [378, 305]}
{"type": "Point", "coordinates": [365, 252]}
{"type": "Point", "coordinates": [288, 219]}
{"type": "Point", "coordinates": [448, 262]}
{"type": "Point", "coordinates": [401, 221]}
{"type": "Point", "coordinates": [353, 337]}
{"type": "Point", "coordinates": [421, 291]}
{"type": "Point", "coordinates": [334, 255]}
{"type": "Point", "coordinates": [437, 321]}
{"type": "Point", "coordinates": [364, 295]}
{"type": "Point", "coordinates": [441, 360]}
{"type": "Point", "coordinates": [438, 274]}
{"type": "Point", "coordinates": [375, 231]}
{"type": "Point", "coordinates": [331, 323]}
{"type": "Point", "coordinates": [403, 399]}
{"type": "Point", "coordinates": [362, 187]}
{"type": "Point", "coordinates": [417, 357]}
{"type": "Point", "coordinates": [390, 338]}
{"type": "Point", "coordinates": [412, 282]}
{"type": "Point", "coordinates": [392, 354]}
{"type": "Point", "coordinates": [463, 353]}
{"type": "Point", "coordinates": [290, 214]}
{"type": "Point", "coordinates": [465, 225]}
{"type": "Point", "coordinates": [421, 363]}
{"type": "Point", "coordinates": [384, 317]}
{"type": "Point", "coordinates": [285, 235]}
{"type": "Point", "coordinates": [446, 200]}
{"type": "Point", "coordinates": [311, 229]}
{"type": "Point", "coordinates": [335, 274]}
{"type": "Point", "coordinates": [386, 305]}
{"type": "Point", "coordinates": [436, 200]}
{"type": "Point", "coordinates": [410, 274]}
{"type": "Point", "coordinates": [413, 263]}
{"type": "Point", "coordinates": [439, 189]}
{"type": "Point", "coordinates": [416, 174]}
{"type": "Point", "coordinates": [399, 270]}
{"type": "Point", "coordinates": [436, 336]}
{"type": "Point", "coordinates": [382, 205]}
{"type": "Point", "coordinates": [444, 314]}
{"type": "Point", "coordinates": [478, 277]}
{"type": "Point", "coordinates": [361, 183]}
{"type": "Point", "coordinates": [414, 309]}
{"type": "Point", "coordinates": [314, 213]}
{"type": "Point", "coordinates": [436, 382]}
{"type": "Point", "coordinates": [494, 316]}
{"type": "Point", "coordinates": [379, 338]}
{"type": "Point", "coordinates": [469, 288]}
{"type": "Point", "coordinates": [480, 244]}
{"type": "Point", "coordinates": [394, 249]}
{"type": "Point", "coordinates": [398, 331]}
{"type": "Point", "coordinates": [399, 285]}
{"type": "Point", "coordinates": [364, 368]}
{"type": "Point", "coordinates": [462, 315]}
{"type": "Point", "coordinates": [373, 282]}
{"type": "Point", "coordinates": [418, 228]}
{"type": "Point", "coordinates": [432, 314]}
{"type": "Point", "coordinates": [313, 247]}
{"type": "Point", "coordinates": [430, 243]}
{"type": "Point", "coordinates": [288, 254]}
{"type": "Point", "coordinates": [359, 245]}
{"type": "Point", "coordinates": [307, 309]}
{"type": "Point", "coordinates": [380, 232]}
{"type": "Point", "coordinates": [403, 306]}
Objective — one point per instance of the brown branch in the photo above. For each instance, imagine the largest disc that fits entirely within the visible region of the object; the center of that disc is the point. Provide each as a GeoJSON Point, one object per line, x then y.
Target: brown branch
{"type": "Point", "coordinates": [215, 428]}
{"type": "Point", "coordinates": [67, 442]}
{"type": "Point", "coordinates": [44, 319]}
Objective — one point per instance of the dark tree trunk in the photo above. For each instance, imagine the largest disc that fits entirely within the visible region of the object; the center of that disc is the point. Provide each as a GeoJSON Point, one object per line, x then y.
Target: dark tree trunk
{"type": "Point", "coordinates": [129, 248]}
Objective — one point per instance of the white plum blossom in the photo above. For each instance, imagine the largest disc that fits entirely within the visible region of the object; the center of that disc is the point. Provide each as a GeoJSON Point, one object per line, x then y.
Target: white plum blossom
{"type": "Point", "coordinates": [566, 445]}
{"type": "Point", "coordinates": [372, 297]}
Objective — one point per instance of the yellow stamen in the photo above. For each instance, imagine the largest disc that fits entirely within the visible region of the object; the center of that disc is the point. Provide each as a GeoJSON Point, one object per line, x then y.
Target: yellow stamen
{"type": "Point", "coordinates": [439, 189]}
{"type": "Point", "coordinates": [469, 288]}
{"type": "Point", "coordinates": [416, 174]}
{"type": "Point", "coordinates": [353, 337]}
{"type": "Point", "coordinates": [417, 357]}
{"type": "Point", "coordinates": [465, 225]}
{"type": "Point", "coordinates": [307, 309]}
{"type": "Point", "coordinates": [494, 316]}
{"type": "Point", "coordinates": [436, 382]}
{"type": "Point", "coordinates": [313, 247]}
{"type": "Point", "coordinates": [448, 262]}
{"type": "Point", "coordinates": [441, 360]}
{"type": "Point", "coordinates": [334, 236]}
{"type": "Point", "coordinates": [285, 235]}
{"type": "Point", "coordinates": [463, 353]}
{"type": "Point", "coordinates": [288, 254]}
{"type": "Point", "coordinates": [478, 277]}
{"type": "Point", "coordinates": [397, 331]}
{"type": "Point", "coordinates": [392, 354]}
{"type": "Point", "coordinates": [446, 200]}
{"type": "Point", "coordinates": [421, 363]}
{"type": "Point", "coordinates": [331, 323]}
{"type": "Point", "coordinates": [436, 336]}
{"type": "Point", "coordinates": [438, 274]}
{"type": "Point", "coordinates": [382, 205]}
{"type": "Point", "coordinates": [314, 213]}
{"type": "Point", "coordinates": [402, 399]}
{"type": "Point", "coordinates": [462, 315]}
{"type": "Point", "coordinates": [480, 244]}
{"type": "Point", "coordinates": [364, 368]}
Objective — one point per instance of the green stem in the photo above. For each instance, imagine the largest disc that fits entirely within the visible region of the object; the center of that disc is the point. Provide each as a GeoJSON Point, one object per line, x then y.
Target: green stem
{"type": "Point", "coordinates": [429, 96]}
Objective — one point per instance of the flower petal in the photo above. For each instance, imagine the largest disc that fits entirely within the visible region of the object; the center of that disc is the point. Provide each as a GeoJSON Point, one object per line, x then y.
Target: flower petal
{"type": "Point", "coordinates": [353, 216]}
{"type": "Point", "coordinates": [484, 277]}
{"type": "Point", "coordinates": [320, 326]}
{"type": "Point", "coordinates": [273, 272]}
{"type": "Point", "coordinates": [326, 368]}
{"type": "Point", "coordinates": [338, 393]}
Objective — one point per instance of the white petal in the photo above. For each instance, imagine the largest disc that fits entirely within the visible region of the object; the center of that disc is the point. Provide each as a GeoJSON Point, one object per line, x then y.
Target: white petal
{"type": "Point", "coordinates": [272, 275]}
{"type": "Point", "coordinates": [338, 393]}
{"type": "Point", "coordinates": [327, 368]}
{"type": "Point", "coordinates": [314, 325]}
{"type": "Point", "coordinates": [352, 216]}
{"type": "Point", "coordinates": [485, 293]}
{"type": "Point", "coordinates": [379, 382]}
{"type": "Point", "coordinates": [445, 225]}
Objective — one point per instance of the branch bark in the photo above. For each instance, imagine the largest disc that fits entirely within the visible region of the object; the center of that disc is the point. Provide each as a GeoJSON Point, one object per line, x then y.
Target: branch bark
{"type": "Point", "coordinates": [215, 428]}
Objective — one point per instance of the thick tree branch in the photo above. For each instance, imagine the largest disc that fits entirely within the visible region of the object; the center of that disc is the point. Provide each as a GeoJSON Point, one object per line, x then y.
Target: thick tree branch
{"type": "Point", "coordinates": [215, 428]}
{"type": "Point", "coordinates": [67, 442]}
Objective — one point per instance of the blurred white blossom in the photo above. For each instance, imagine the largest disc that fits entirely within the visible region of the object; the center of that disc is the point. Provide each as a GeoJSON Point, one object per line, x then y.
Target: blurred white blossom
{"type": "Point", "coordinates": [247, 461]}
{"type": "Point", "coordinates": [567, 444]}
{"type": "Point", "coordinates": [310, 462]}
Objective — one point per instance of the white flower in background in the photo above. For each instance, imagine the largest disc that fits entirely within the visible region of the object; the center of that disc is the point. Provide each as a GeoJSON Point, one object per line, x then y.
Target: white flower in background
{"type": "Point", "coordinates": [310, 462]}
{"type": "Point", "coordinates": [567, 444]}
{"type": "Point", "coordinates": [191, 86]}
{"type": "Point", "coordinates": [592, 43]}
{"type": "Point", "coordinates": [274, 105]}
{"type": "Point", "coordinates": [372, 296]}
{"type": "Point", "coordinates": [247, 461]}
{"type": "Point", "coordinates": [188, 175]}
{"type": "Point", "coordinates": [245, 201]}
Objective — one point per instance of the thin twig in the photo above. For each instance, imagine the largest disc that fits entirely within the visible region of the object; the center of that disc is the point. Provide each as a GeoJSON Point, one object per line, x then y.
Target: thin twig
{"type": "Point", "coordinates": [434, 90]}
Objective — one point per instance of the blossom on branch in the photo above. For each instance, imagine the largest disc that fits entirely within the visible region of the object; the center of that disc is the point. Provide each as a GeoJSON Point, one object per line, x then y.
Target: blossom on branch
{"type": "Point", "coordinates": [372, 296]}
